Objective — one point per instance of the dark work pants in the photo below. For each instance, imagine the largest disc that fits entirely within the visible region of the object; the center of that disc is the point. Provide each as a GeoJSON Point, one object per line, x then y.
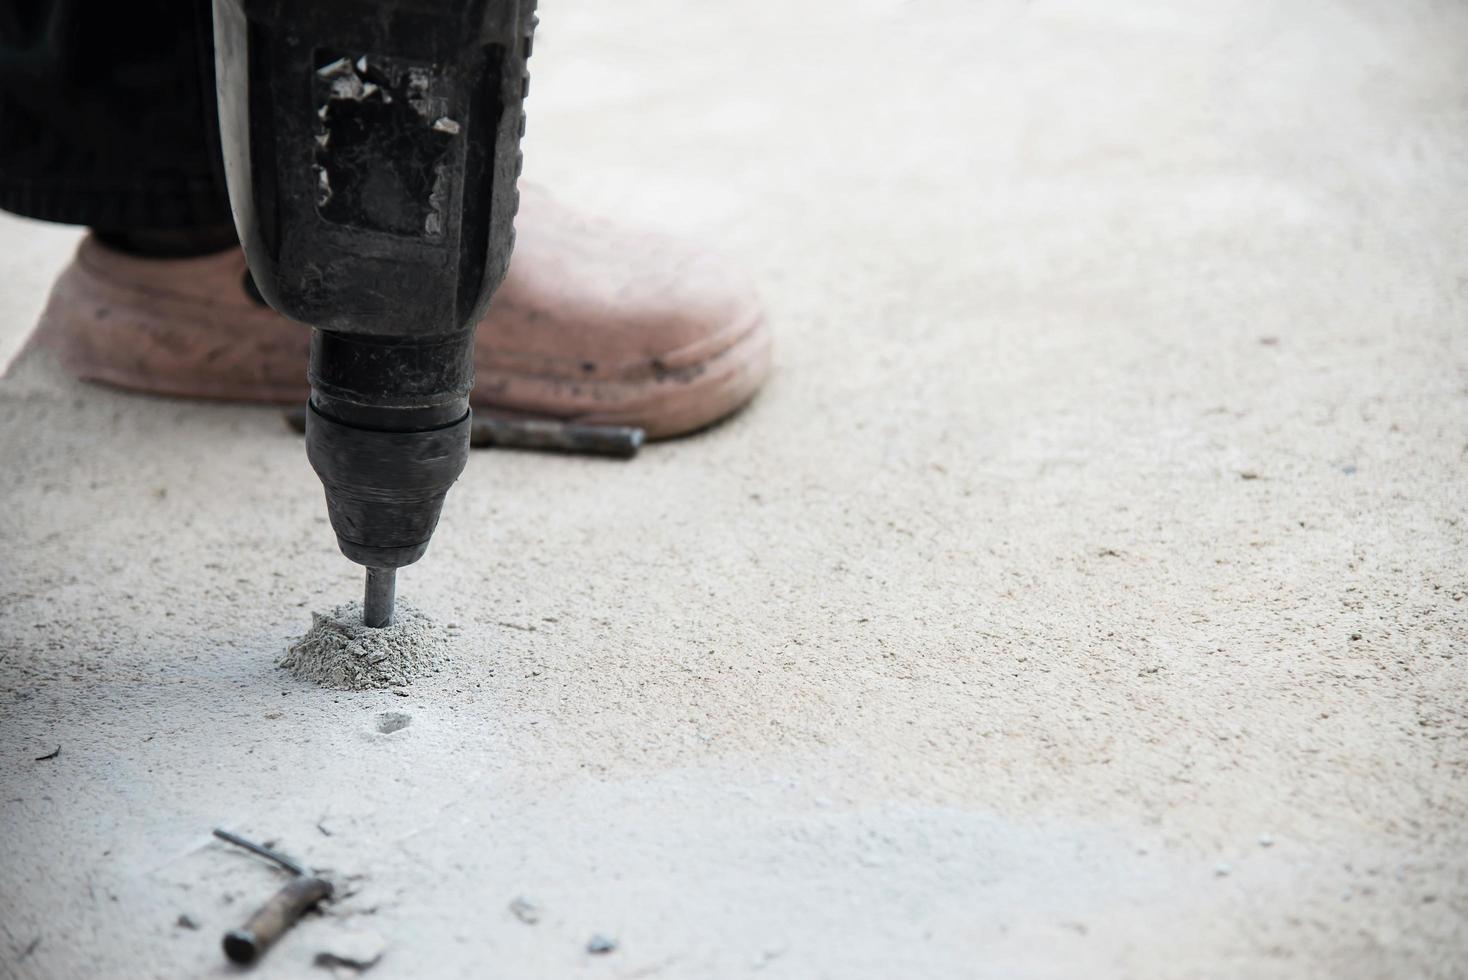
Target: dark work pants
{"type": "Point", "coordinates": [107, 114]}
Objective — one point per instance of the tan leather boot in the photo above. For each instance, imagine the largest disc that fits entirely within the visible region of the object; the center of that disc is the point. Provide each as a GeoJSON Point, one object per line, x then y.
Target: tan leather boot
{"type": "Point", "coordinates": [593, 323]}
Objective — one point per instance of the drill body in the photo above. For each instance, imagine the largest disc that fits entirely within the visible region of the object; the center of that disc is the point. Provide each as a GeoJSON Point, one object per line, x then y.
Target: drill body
{"type": "Point", "coordinates": [371, 150]}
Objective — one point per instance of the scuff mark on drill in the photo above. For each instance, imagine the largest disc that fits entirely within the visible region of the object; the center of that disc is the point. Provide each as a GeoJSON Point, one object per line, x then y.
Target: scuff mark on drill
{"type": "Point", "coordinates": [419, 83]}
{"type": "Point", "coordinates": [384, 144]}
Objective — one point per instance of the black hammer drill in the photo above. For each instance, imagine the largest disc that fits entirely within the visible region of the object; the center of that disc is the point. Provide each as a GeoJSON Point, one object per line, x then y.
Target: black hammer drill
{"type": "Point", "coordinates": [371, 149]}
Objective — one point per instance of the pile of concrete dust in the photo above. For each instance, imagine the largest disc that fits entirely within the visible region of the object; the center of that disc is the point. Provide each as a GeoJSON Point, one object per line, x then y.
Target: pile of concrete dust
{"type": "Point", "coordinates": [340, 651]}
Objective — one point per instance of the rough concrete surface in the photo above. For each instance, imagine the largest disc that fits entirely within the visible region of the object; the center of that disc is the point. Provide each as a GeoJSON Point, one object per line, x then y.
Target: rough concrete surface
{"type": "Point", "coordinates": [1085, 597]}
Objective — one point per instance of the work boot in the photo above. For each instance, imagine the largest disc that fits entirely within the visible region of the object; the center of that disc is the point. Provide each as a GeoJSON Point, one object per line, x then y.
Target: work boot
{"type": "Point", "coordinates": [592, 324]}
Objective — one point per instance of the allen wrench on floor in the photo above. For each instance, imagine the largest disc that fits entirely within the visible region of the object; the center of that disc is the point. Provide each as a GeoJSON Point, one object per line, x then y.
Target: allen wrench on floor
{"type": "Point", "coordinates": [248, 943]}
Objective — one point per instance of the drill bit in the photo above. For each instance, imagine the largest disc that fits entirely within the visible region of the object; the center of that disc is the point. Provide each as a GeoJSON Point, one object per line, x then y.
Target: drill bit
{"type": "Point", "coordinates": [377, 601]}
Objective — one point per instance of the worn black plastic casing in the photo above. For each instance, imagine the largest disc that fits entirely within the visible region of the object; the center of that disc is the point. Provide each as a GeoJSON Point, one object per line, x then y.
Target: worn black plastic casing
{"type": "Point", "coordinates": [371, 149]}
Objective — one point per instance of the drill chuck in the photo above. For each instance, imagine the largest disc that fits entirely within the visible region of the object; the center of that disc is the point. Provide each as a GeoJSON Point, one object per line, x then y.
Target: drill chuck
{"type": "Point", "coordinates": [385, 490]}
{"type": "Point", "coordinates": [387, 431]}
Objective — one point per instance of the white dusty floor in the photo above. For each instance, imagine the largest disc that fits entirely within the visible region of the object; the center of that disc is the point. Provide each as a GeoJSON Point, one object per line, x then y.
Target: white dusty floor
{"type": "Point", "coordinates": [1084, 598]}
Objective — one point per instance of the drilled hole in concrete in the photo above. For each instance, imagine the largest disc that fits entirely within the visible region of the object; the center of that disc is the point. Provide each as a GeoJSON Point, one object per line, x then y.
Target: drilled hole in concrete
{"type": "Point", "coordinates": [393, 721]}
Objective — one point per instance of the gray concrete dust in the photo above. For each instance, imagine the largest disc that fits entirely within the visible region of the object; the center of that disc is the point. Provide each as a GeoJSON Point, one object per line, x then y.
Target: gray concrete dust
{"type": "Point", "coordinates": [340, 651]}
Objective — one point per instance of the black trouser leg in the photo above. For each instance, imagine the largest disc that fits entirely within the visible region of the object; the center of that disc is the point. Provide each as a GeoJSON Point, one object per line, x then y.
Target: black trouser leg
{"type": "Point", "coordinates": [108, 119]}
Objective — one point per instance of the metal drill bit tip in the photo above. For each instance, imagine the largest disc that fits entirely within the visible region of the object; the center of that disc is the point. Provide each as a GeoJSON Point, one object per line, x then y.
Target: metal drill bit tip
{"type": "Point", "coordinates": [377, 601]}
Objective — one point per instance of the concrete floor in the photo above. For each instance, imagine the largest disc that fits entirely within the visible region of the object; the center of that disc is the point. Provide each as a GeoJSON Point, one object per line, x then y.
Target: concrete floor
{"type": "Point", "coordinates": [1084, 597]}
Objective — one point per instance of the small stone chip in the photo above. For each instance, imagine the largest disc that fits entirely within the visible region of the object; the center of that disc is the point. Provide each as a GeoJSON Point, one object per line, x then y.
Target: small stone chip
{"type": "Point", "coordinates": [347, 950]}
{"type": "Point", "coordinates": [525, 910]}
